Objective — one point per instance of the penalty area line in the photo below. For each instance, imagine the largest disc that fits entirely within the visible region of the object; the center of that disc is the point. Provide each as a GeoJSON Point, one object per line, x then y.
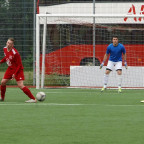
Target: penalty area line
{"type": "Point", "coordinates": [39, 103]}
{"type": "Point", "coordinates": [62, 104]}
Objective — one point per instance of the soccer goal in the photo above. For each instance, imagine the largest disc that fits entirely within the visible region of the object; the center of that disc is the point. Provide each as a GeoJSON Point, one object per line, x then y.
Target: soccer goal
{"type": "Point", "coordinates": [70, 48]}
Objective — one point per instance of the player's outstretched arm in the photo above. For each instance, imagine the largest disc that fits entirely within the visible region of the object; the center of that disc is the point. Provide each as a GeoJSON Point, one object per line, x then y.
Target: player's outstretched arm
{"type": "Point", "coordinates": [102, 64]}
{"type": "Point", "coordinates": [104, 59]}
{"type": "Point", "coordinates": [125, 62]}
{"type": "Point", "coordinates": [3, 60]}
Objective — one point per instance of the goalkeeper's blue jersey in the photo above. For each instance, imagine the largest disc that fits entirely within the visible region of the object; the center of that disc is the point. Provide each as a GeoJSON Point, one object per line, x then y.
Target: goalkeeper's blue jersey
{"type": "Point", "coordinates": [115, 52]}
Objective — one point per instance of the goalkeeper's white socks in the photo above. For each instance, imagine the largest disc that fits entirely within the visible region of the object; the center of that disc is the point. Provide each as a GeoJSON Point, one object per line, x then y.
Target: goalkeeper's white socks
{"type": "Point", "coordinates": [119, 81]}
{"type": "Point", "coordinates": [106, 77]}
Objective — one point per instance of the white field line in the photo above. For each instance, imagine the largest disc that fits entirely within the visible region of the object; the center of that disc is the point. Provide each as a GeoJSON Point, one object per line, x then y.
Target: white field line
{"type": "Point", "coordinates": [70, 92]}
{"type": "Point", "coordinates": [73, 91]}
{"type": "Point", "coordinates": [56, 91]}
{"type": "Point", "coordinates": [84, 92]}
{"type": "Point", "coordinates": [58, 104]}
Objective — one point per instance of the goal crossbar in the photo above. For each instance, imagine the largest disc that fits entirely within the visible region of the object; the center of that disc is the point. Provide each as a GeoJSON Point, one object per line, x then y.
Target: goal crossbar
{"type": "Point", "coordinates": [90, 15]}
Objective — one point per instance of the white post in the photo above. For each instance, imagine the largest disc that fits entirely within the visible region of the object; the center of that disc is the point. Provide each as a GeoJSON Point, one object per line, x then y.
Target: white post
{"type": "Point", "coordinates": [34, 44]}
{"type": "Point", "coordinates": [94, 33]}
{"type": "Point", "coordinates": [43, 53]}
{"type": "Point", "coordinates": [37, 52]}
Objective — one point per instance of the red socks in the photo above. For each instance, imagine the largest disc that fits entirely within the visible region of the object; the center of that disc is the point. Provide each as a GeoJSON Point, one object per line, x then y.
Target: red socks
{"type": "Point", "coordinates": [28, 93]}
{"type": "Point", "coordinates": [25, 90]}
{"type": "Point", "coordinates": [3, 90]}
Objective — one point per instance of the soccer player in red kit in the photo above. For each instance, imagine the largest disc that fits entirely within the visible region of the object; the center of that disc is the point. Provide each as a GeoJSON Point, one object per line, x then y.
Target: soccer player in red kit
{"type": "Point", "coordinates": [14, 70]}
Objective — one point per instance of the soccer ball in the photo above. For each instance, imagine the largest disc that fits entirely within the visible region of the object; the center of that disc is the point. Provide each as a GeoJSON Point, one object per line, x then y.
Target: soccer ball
{"type": "Point", "coordinates": [40, 96]}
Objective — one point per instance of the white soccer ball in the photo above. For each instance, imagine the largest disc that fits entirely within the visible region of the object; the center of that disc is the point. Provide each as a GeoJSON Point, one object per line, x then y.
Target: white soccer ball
{"type": "Point", "coordinates": [40, 96]}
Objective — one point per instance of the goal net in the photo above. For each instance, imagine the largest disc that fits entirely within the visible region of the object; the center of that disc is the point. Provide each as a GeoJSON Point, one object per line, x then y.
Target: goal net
{"type": "Point", "coordinates": [70, 48]}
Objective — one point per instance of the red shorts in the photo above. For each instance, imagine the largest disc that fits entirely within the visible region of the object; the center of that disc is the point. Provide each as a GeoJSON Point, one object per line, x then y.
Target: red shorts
{"type": "Point", "coordinates": [9, 72]}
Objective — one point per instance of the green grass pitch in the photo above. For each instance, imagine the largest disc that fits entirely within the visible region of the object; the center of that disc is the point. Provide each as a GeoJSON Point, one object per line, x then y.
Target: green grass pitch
{"type": "Point", "coordinates": [73, 116]}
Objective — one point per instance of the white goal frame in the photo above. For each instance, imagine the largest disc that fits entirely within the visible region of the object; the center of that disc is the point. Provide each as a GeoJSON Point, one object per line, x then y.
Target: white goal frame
{"type": "Point", "coordinates": [38, 16]}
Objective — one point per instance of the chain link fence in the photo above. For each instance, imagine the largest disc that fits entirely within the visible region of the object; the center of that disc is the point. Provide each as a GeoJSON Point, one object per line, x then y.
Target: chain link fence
{"type": "Point", "coordinates": [16, 20]}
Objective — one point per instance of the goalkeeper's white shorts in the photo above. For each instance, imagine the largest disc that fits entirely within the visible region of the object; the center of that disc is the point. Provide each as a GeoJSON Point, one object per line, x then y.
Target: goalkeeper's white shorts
{"type": "Point", "coordinates": [114, 65]}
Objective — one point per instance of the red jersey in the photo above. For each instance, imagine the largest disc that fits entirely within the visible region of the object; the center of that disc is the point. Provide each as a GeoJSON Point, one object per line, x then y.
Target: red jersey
{"type": "Point", "coordinates": [13, 59]}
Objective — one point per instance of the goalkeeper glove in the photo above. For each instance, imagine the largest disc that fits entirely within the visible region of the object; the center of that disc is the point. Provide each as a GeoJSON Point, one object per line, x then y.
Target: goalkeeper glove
{"type": "Point", "coordinates": [102, 64]}
{"type": "Point", "coordinates": [125, 63]}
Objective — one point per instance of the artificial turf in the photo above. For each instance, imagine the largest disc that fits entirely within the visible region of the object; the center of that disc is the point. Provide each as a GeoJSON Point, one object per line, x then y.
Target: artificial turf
{"type": "Point", "coordinates": [73, 116]}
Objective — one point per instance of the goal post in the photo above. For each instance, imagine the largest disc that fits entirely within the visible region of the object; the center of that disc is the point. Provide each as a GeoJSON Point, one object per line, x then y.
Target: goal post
{"type": "Point", "coordinates": [37, 52]}
{"type": "Point", "coordinates": [43, 53]}
{"type": "Point", "coordinates": [61, 40]}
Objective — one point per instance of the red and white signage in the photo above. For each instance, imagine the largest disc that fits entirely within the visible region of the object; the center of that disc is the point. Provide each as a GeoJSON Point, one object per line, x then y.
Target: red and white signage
{"type": "Point", "coordinates": [136, 10]}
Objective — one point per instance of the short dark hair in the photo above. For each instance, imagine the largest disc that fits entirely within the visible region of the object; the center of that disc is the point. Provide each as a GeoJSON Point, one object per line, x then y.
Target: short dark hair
{"type": "Point", "coordinates": [114, 36]}
{"type": "Point", "coordinates": [11, 39]}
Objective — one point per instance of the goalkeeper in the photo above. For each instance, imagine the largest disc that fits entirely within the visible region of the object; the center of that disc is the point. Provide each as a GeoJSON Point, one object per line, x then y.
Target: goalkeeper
{"type": "Point", "coordinates": [115, 50]}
